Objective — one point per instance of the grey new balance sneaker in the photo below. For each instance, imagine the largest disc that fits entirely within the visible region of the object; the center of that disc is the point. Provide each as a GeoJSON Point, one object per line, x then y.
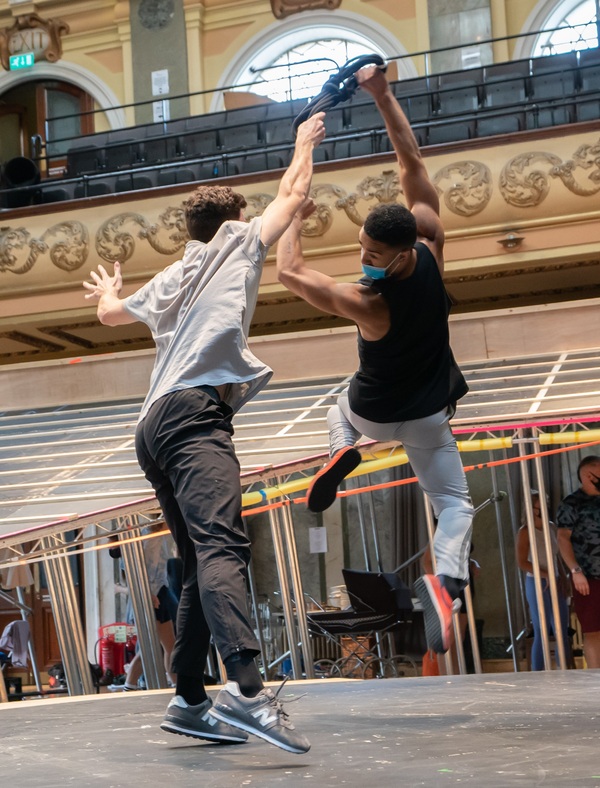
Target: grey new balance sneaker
{"type": "Point", "coordinates": [263, 716]}
{"type": "Point", "coordinates": [199, 723]}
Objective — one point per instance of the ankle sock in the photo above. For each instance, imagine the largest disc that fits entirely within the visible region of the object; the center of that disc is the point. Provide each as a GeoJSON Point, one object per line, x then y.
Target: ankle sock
{"type": "Point", "coordinates": [241, 668]}
{"type": "Point", "coordinates": [453, 585]}
{"type": "Point", "coordinates": [191, 689]}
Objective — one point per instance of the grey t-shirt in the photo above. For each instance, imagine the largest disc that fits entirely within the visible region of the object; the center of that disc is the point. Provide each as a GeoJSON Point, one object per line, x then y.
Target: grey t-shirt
{"type": "Point", "coordinates": [199, 311]}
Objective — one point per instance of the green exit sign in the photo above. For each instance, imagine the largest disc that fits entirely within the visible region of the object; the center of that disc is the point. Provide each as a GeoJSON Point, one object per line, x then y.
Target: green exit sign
{"type": "Point", "coordinates": [24, 60]}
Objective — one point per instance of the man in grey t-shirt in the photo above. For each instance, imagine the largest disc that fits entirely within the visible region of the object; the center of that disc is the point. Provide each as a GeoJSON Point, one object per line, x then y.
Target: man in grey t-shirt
{"type": "Point", "coordinates": [199, 311]}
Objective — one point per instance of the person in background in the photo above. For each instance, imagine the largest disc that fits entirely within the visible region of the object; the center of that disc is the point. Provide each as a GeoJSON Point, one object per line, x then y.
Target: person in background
{"type": "Point", "coordinates": [524, 563]}
{"type": "Point", "coordinates": [578, 520]}
{"type": "Point", "coordinates": [156, 558]}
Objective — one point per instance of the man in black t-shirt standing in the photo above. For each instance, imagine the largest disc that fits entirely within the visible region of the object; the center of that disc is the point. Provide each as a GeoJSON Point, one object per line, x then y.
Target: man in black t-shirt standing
{"type": "Point", "coordinates": [408, 382]}
{"type": "Point", "coordinates": [578, 520]}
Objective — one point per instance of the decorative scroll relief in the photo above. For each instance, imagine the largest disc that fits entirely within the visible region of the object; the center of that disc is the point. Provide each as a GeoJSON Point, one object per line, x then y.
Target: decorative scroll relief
{"type": "Point", "coordinates": [524, 185]}
{"type": "Point", "coordinates": [469, 187]}
{"type": "Point", "coordinates": [468, 192]}
{"type": "Point", "coordinates": [464, 186]}
{"type": "Point", "coordinates": [384, 188]}
{"type": "Point", "coordinates": [521, 184]}
{"type": "Point", "coordinates": [66, 242]}
{"type": "Point", "coordinates": [586, 157]}
{"type": "Point", "coordinates": [256, 205]}
{"type": "Point", "coordinates": [166, 237]}
{"type": "Point", "coordinates": [283, 8]}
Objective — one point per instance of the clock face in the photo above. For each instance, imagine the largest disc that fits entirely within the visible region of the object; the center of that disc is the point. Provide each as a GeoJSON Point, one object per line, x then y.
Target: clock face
{"type": "Point", "coordinates": [155, 14]}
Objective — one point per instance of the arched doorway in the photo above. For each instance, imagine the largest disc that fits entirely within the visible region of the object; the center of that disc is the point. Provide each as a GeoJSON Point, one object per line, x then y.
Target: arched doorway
{"type": "Point", "coordinates": [17, 119]}
{"type": "Point", "coordinates": [39, 120]}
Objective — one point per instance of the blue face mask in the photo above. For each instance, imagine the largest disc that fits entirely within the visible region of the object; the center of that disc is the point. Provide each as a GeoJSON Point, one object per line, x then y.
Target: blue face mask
{"type": "Point", "coordinates": [379, 273]}
{"type": "Point", "coordinates": [373, 272]}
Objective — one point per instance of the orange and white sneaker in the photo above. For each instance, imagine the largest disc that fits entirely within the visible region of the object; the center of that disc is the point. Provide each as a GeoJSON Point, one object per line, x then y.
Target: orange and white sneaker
{"type": "Point", "coordinates": [323, 489]}
{"type": "Point", "coordinates": [437, 612]}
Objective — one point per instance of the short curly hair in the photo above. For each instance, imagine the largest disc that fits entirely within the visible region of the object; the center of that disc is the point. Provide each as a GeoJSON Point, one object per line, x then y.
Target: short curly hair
{"type": "Point", "coordinates": [391, 224]}
{"type": "Point", "coordinates": [208, 207]}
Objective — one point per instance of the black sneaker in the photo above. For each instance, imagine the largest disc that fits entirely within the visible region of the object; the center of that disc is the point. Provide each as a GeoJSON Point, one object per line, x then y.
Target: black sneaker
{"type": "Point", "coordinates": [198, 722]}
{"type": "Point", "coordinates": [323, 490]}
{"type": "Point", "coordinates": [263, 716]}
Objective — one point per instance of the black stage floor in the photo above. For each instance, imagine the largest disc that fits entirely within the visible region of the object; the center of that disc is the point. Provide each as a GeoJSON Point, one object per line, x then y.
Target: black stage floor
{"type": "Point", "coordinates": [504, 729]}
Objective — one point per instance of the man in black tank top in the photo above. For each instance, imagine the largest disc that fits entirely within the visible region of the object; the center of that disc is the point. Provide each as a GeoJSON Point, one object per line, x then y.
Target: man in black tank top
{"type": "Point", "coordinates": [408, 382]}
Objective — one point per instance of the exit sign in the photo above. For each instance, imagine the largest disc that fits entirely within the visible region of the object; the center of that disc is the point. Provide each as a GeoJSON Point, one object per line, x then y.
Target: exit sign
{"type": "Point", "coordinates": [24, 60]}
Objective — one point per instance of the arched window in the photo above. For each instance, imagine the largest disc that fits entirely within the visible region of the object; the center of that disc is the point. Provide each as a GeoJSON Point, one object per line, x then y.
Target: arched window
{"type": "Point", "coordinates": [576, 17]}
{"type": "Point", "coordinates": [301, 71]}
{"type": "Point", "coordinates": [580, 29]}
{"type": "Point", "coordinates": [297, 55]}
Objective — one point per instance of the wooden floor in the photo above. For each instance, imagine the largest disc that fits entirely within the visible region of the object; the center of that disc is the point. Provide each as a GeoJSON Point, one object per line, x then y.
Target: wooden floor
{"type": "Point", "coordinates": [537, 729]}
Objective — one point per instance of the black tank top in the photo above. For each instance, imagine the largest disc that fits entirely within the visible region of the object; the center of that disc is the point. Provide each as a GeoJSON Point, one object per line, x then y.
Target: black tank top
{"type": "Point", "coordinates": [409, 373]}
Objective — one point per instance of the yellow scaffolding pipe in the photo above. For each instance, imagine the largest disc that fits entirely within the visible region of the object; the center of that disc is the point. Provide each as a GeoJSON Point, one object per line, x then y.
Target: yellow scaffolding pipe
{"type": "Point", "coordinates": [387, 458]}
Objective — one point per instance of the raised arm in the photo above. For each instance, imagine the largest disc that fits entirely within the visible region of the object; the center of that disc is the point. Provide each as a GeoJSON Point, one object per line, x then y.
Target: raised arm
{"type": "Point", "coordinates": [344, 299]}
{"type": "Point", "coordinates": [295, 184]}
{"type": "Point", "coordinates": [105, 289]}
{"type": "Point", "coordinates": [420, 193]}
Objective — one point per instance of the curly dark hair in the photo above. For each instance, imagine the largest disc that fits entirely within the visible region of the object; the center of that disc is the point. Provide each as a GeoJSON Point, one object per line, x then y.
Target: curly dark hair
{"type": "Point", "coordinates": [391, 224]}
{"type": "Point", "coordinates": [208, 207]}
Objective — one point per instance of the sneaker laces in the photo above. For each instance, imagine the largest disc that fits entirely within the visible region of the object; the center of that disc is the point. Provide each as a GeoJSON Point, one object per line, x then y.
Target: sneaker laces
{"type": "Point", "coordinates": [278, 703]}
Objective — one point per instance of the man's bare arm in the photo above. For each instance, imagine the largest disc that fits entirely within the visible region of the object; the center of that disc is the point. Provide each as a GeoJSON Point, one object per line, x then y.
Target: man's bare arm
{"type": "Point", "coordinates": [295, 183]}
{"type": "Point", "coordinates": [344, 299]}
{"type": "Point", "coordinates": [565, 547]}
{"type": "Point", "coordinates": [105, 289]}
{"type": "Point", "coordinates": [420, 193]}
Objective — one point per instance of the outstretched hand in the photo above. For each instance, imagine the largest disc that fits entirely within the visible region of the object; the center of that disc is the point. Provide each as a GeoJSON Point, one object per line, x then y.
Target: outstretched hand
{"type": "Point", "coordinates": [103, 283]}
{"type": "Point", "coordinates": [373, 80]}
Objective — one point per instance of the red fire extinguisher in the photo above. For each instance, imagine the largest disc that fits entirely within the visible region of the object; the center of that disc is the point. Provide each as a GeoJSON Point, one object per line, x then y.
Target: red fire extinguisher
{"type": "Point", "coordinates": [130, 648]}
{"type": "Point", "coordinates": [107, 653]}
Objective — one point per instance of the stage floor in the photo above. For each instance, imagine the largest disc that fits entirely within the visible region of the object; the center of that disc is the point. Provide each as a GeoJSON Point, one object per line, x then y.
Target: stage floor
{"type": "Point", "coordinates": [489, 730]}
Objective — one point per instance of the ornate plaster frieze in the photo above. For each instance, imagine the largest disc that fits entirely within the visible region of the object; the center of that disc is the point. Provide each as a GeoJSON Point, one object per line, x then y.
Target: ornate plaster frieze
{"type": "Point", "coordinates": [524, 184]}
{"type": "Point", "coordinates": [495, 191]}
{"type": "Point", "coordinates": [283, 8]}
{"type": "Point", "coordinates": [65, 243]}
{"type": "Point", "coordinates": [167, 236]}
{"type": "Point", "coordinates": [465, 187]}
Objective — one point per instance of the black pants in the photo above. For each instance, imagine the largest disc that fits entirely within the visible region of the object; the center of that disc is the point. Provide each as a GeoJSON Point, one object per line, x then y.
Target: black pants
{"type": "Point", "coordinates": [185, 449]}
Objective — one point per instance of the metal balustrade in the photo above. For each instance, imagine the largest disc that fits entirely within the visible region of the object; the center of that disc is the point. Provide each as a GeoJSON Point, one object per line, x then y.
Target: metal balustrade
{"type": "Point", "coordinates": [499, 98]}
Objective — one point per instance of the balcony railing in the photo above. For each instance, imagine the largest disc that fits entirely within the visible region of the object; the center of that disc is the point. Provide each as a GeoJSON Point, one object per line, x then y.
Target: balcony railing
{"type": "Point", "coordinates": [500, 98]}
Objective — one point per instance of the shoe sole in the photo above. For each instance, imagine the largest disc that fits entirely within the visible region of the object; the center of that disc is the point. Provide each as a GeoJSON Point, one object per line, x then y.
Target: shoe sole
{"type": "Point", "coordinates": [171, 727]}
{"type": "Point", "coordinates": [323, 489]}
{"type": "Point", "coordinates": [256, 732]}
{"type": "Point", "coordinates": [433, 616]}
